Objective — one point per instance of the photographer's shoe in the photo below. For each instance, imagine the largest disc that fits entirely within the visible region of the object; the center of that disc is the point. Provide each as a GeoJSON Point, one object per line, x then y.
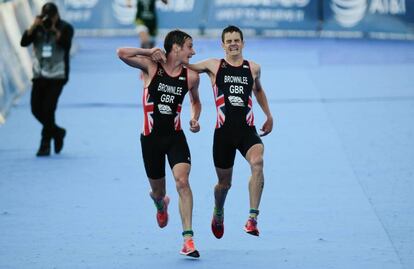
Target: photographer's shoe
{"type": "Point", "coordinates": [44, 149]}
{"type": "Point", "coordinates": [58, 140]}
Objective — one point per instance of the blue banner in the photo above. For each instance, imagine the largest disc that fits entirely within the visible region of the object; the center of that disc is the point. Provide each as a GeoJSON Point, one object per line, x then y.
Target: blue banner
{"type": "Point", "coordinates": [120, 14]}
{"type": "Point", "coordinates": [264, 15]}
{"type": "Point", "coordinates": [98, 14]}
{"type": "Point", "coordinates": [369, 18]}
{"type": "Point", "coordinates": [326, 18]}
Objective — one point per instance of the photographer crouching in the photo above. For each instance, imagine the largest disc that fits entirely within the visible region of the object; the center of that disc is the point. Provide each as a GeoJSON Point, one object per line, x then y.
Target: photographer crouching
{"type": "Point", "coordinates": [52, 39]}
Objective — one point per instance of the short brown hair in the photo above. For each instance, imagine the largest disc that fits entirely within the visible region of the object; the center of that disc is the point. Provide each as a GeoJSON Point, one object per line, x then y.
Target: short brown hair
{"type": "Point", "coordinates": [231, 29]}
{"type": "Point", "coordinates": [175, 37]}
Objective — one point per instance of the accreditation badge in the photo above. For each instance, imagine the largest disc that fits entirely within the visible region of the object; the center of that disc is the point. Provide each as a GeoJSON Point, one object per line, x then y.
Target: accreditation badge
{"type": "Point", "coordinates": [47, 51]}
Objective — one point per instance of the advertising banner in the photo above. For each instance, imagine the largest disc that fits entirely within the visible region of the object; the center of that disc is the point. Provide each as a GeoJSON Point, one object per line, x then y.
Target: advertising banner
{"type": "Point", "coordinates": [326, 18]}
{"type": "Point", "coordinates": [118, 16]}
{"type": "Point", "coordinates": [264, 16]}
{"type": "Point", "coordinates": [92, 15]}
{"type": "Point", "coordinates": [369, 18]}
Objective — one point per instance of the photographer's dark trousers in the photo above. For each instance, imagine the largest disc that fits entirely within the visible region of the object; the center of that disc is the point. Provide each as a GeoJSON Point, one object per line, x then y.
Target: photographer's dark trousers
{"type": "Point", "coordinates": [44, 99]}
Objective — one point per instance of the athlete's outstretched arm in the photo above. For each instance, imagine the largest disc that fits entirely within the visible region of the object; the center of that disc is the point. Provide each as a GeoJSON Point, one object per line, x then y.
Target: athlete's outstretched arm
{"type": "Point", "coordinates": [209, 66]}
{"type": "Point", "coordinates": [141, 58]}
{"type": "Point", "coordinates": [206, 66]}
{"type": "Point", "coordinates": [194, 81]}
{"type": "Point", "coordinates": [262, 100]}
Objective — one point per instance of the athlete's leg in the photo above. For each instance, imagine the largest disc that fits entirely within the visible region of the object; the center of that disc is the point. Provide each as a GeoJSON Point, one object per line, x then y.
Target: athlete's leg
{"type": "Point", "coordinates": [255, 158]}
{"type": "Point", "coordinates": [144, 36]}
{"type": "Point", "coordinates": [160, 200]}
{"type": "Point", "coordinates": [157, 188]}
{"type": "Point", "coordinates": [181, 173]}
{"type": "Point", "coordinates": [145, 39]}
{"type": "Point", "coordinates": [154, 162]}
{"type": "Point", "coordinates": [223, 185]}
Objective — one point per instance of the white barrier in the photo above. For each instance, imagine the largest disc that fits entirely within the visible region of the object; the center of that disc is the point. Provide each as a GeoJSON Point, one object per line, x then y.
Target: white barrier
{"type": "Point", "coordinates": [14, 35]}
{"type": "Point", "coordinates": [2, 118]}
{"type": "Point", "coordinates": [15, 61]}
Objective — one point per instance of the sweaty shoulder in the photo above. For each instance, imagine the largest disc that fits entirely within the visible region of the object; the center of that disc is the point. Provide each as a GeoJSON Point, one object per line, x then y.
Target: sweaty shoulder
{"type": "Point", "coordinates": [214, 63]}
{"type": "Point", "coordinates": [255, 68]}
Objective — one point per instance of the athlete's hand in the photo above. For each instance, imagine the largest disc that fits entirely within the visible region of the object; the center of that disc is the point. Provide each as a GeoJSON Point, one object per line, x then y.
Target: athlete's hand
{"type": "Point", "coordinates": [267, 127]}
{"type": "Point", "coordinates": [194, 126]}
{"type": "Point", "coordinates": [158, 55]}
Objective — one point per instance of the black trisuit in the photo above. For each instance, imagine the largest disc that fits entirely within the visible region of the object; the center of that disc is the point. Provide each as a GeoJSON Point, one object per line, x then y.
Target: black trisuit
{"type": "Point", "coordinates": [235, 122]}
{"type": "Point", "coordinates": [162, 134]}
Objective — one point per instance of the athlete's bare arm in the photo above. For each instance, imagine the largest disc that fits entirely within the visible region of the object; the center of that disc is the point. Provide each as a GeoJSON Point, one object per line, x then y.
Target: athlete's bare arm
{"type": "Point", "coordinates": [261, 99]}
{"type": "Point", "coordinates": [193, 83]}
{"type": "Point", "coordinates": [209, 66]}
{"type": "Point", "coordinates": [144, 59]}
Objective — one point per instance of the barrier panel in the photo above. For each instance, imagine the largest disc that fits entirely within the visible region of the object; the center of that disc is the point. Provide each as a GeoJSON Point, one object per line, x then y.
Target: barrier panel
{"type": "Point", "coordinates": [15, 64]}
{"type": "Point", "coordinates": [15, 61]}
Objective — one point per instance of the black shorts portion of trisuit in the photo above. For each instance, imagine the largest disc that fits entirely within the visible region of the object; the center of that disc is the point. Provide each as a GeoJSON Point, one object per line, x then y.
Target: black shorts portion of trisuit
{"type": "Point", "coordinates": [228, 140]}
{"type": "Point", "coordinates": [155, 147]}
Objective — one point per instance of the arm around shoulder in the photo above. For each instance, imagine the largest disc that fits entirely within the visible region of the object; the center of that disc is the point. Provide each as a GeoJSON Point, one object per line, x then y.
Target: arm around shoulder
{"type": "Point", "coordinates": [205, 66]}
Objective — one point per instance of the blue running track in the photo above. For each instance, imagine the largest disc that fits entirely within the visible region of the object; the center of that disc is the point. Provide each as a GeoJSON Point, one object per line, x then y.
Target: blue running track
{"type": "Point", "coordinates": [339, 166]}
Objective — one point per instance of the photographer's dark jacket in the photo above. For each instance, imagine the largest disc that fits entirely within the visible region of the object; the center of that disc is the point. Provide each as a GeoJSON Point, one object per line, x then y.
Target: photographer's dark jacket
{"type": "Point", "coordinates": [51, 57]}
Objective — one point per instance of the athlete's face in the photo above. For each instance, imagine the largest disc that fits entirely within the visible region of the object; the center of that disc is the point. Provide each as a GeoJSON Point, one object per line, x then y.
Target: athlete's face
{"type": "Point", "coordinates": [186, 51]}
{"type": "Point", "coordinates": [233, 44]}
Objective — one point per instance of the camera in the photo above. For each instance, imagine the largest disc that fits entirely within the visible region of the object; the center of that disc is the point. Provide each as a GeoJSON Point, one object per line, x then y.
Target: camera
{"type": "Point", "coordinates": [47, 22]}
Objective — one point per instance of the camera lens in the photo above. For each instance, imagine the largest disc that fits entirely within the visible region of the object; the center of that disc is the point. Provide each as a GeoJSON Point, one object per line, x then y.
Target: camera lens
{"type": "Point", "coordinates": [47, 22]}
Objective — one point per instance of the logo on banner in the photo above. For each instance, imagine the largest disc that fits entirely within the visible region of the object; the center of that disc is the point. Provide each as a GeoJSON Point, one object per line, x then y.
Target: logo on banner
{"type": "Point", "coordinates": [349, 13]}
{"type": "Point", "coordinates": [392, 7]}
{"type": "Point", "coordinates": [123, 13]}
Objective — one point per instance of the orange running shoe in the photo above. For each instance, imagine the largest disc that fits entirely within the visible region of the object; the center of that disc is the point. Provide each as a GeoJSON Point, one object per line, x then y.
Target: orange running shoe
{"type": "Point", "coordinates": [162, 215]}
{"type": "Point", "coordinates": [251, 227]}
{"type": "Point", "coordinates": [189, 248]}
{"type": "Point", "coordinates": [217, 226]}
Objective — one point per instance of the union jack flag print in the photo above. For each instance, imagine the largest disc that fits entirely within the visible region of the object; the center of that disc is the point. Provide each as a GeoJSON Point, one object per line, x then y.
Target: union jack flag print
{"type": "Point", "coordinates": [177, 120]}
{"type": "Point", "coordinates": [249, 115]}
{"type": "Point", "coordinates": [148, 111]}
{"type": "Point", "coordinates": [220, 106]}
